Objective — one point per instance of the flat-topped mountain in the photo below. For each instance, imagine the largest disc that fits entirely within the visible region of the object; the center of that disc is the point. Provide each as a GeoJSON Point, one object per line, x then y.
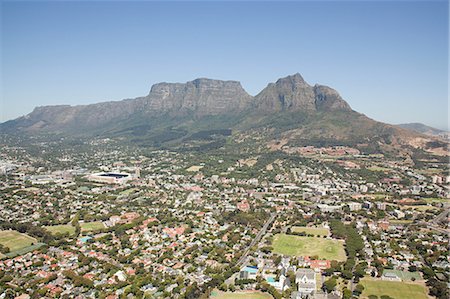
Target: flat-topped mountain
{"type": "Point", "coordinates": [198, 98]}
{"type": "Point", "coordinates": [174, 114]}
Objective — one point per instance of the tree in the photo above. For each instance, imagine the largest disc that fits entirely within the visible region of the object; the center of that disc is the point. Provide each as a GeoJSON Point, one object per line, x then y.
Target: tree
{"type": "Point", "coordinates": [330, 284]}
{"type": "Point", "coordinates": [347, 294]}
{"type": "Point", "coordinates": [358, 289]}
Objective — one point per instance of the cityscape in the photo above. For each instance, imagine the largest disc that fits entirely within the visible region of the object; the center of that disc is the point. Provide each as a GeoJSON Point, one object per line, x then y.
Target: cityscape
{"type": "Point", "coordinates": [283, 150]}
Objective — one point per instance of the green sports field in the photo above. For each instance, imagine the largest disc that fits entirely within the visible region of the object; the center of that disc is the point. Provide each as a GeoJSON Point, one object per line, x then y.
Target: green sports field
{"type": "Point", "coordinates": [215, 294]}
{"type": "Point", "coordinates": [15, 240]}
{"type": "Point", "coordinates": [62, 229]}
{"type": "Point", "coordinates": [309, 246]}
{"type": "Point", "coordinates": [394, 289]}
{"type": "Point", "coordinates": [91, 226]}
{"type": "Point", "coordinates": [317, 231]}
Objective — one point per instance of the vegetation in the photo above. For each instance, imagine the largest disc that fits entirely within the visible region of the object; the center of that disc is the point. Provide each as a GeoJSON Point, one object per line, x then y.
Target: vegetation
{"type": "Point", "coordinates": [61, 229]}
{"type": "Point", "coordinates": [309, 246]}
{"type": "Point", "coordinates": [313, 231]}
{"type": "Point", "coordinates": [393, 289]}
{"type": "Point", "coordinates": [14, 240]}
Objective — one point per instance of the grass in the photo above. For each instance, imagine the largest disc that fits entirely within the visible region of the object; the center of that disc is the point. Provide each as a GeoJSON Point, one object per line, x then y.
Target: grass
{"type": "Point", "coordinates": [194, 168]}
{"type": "Point", "coordinates": [317, 231]}
{"type": "Point", "coordinates": [378, 168]}
{"type": "Point", "coordinates": [129, 191]}
{"type": "Point", "coordinates": [215, 294]}
{"type": "Point", "coordinates": [394, 289]}
{"type": "Point", "coordinates": [423, 208]}
{"type": "Point", "coordinates": [436, 200]}
{"type": "Point", "coordinates": [15, 240]}
{"type": "Point", "coordinates": [309, 246]}
{"type": "Point", "coordinates": [61, 229]}
{"type": "Point", "coordinates": [91, 226]}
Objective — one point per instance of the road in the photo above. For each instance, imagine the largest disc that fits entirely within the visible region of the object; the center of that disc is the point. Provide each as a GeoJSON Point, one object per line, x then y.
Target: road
{"type": "Point", "coordinates": [441, 216]}
{"type": "Point", "coordinates": [353, 271]}
{"type": "Point", "coordinates": [255, 240]}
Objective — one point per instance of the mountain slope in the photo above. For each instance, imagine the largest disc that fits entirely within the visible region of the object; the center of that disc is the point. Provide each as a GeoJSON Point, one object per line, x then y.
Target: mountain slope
{"type": "Point", "coordinates": [423, 129]}
{"type": "Point", "coordinates": [205, 111]}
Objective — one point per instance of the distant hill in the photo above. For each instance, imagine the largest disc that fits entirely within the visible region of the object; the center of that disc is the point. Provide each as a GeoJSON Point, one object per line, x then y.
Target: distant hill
{"type": "Point", "coordinates": [207, 114]}
{"type": "Point", "coordinates": [423, 129]}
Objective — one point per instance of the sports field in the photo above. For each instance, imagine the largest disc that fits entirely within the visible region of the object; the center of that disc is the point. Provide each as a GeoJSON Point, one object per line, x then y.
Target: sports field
{"type": "Point", "coordinates": [394, 289]}
{"type": "Point", "coordinates": [316, 231]}
{"type": "Point", "coordinates": [91, 226]}
{"type": "Point", "coordinates": [15, 240]}
{"type": "Point", "coordinates": [309, 246]}
{"type": "Point", "coordinates": [62, 229]}
{"type": "Point", "coordinates": [215, 294]}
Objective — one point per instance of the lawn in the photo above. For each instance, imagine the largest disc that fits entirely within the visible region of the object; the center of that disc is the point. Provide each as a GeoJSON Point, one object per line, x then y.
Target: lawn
{"type": "Point", "coordinates": [436, 200]}
{"type": "Point", "coordinates": [62, 229]}
{"type": "Point", "coordinates": [129, 191]}
{"type": "Point", "coordinates": [311, 230]}
{"type": "Point", "coordinates": [309, 246]}
{"type": "Point", "coordinates": [194, 168]}
{"type": "Point", "coordinates": [394, 289]}
{"type": "Point", "coordinates": [215, 294]}
{"type": "Point", "coordinates": [91, 226]}
{"type": "Point", "coordinates": [15, 240]}
{"type": "Point", "coordinates": [378, 168]}
{"type": "Point", "coordinates": [423, 208]}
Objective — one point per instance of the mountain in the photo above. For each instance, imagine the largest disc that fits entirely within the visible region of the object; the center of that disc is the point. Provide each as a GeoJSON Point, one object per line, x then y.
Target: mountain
{"type": "Point", "coordinates": [205, 112]}
{"type": "Point", "coordinates": [293, 93]}
{"type": "Point", "coordinates": [423, 129]}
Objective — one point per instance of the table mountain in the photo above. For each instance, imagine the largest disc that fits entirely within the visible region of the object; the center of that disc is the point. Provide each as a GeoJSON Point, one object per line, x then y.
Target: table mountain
{"type": "Point", "coordinates": [175, 114]}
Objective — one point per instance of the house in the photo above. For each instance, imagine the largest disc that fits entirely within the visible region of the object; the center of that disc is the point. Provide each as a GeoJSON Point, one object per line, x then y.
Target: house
{"type": "Point", "coordinates": [306, 281]}
{"type": "Point", "coordinates": [281, 284]}
{"type": "Point", "coordinates": [399, 214]}
{"type": "Point", "coordinates": [320, 264]}
{"type": "Point", "coordinates": [381, 206]}
{"type": "Point", "coordinates": [354, 206]}
{"type": "Point", "coordinates": [328, 209]}
{"type": "Point", "coordinates": [249, 272]}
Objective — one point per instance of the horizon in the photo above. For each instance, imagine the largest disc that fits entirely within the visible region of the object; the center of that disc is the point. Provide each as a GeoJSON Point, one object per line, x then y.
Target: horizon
{"type": "Point", "coordinates": [79, 63]}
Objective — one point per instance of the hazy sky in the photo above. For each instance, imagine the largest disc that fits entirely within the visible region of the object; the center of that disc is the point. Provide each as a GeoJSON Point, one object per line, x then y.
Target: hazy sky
{"type": "Point", "coordinates": [388, 59]}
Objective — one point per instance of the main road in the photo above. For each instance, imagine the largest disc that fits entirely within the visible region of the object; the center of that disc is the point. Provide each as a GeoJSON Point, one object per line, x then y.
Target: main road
{"type": "Point", "coordinates": [255, 240]}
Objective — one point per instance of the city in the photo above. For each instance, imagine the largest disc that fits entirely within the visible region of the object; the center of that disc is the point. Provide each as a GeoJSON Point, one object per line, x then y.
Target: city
{"type": "Point", "coordinates": [333, 224]}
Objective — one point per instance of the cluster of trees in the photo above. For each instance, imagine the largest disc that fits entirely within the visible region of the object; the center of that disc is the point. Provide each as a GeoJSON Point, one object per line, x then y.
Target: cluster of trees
{"type": "Point", "coordinates": [77, 279]}
{"type": "Point", "coordinates": [28, 228]}
{"type": "Point", "coordinates": [437, 288]}
{"type": "Point", "coordinates": [255, 219]}
{"type": "Point", "coordinates": [4, 249]}
{"type": "Point", "coordinates": [354, 246]}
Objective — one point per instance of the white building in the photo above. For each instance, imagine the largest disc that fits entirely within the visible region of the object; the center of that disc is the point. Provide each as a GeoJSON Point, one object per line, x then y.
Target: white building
{"type": "Point", "coordinates": [354, 206]}
{"type": "Point", "coordinates": [306, 281]}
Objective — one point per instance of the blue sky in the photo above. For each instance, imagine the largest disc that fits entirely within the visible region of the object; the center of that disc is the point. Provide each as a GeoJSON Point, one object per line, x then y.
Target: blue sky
{"type": "Point", "coordinates": [388, 59]}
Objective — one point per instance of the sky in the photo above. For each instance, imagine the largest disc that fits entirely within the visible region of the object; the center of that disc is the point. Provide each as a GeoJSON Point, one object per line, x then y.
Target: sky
{"type": "Point", "coordinates": [387, 59]}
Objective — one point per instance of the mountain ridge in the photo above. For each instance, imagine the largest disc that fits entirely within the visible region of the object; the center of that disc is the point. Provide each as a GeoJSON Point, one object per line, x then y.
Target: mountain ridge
{"type": "Point", "coordinates": [174, 113]}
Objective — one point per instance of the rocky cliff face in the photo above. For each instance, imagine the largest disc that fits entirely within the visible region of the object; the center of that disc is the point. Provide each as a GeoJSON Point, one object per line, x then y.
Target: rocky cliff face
{"type": "Point", "coordinates": [195, 99]}
{"type": "Point", "coordinates": [293, 93]}
{"type": "Point", "coordinates": [199, 97]}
